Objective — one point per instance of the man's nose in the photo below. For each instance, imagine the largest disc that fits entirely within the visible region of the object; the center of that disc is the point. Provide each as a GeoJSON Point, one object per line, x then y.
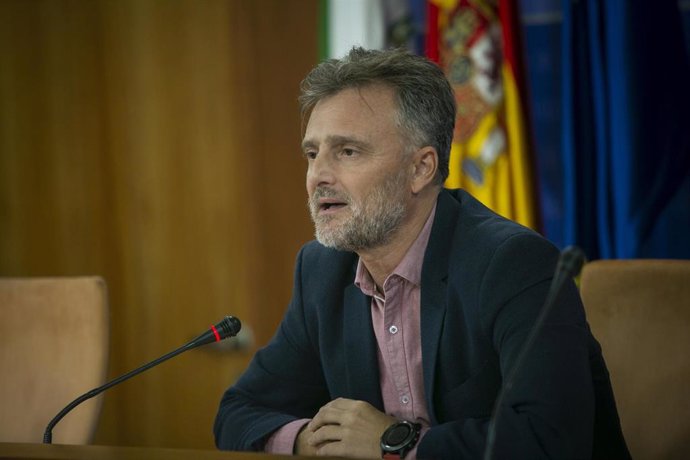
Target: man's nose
{"type": "Point", "coordinates": [320, 172]}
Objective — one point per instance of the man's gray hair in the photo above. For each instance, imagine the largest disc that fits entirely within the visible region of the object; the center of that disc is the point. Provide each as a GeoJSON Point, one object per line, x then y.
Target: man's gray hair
{"type": "Point", "coordinates": [425, 99]}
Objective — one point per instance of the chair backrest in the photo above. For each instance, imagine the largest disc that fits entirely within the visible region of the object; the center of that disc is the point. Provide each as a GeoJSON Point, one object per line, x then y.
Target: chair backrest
{"type": "Point", "coordinates": [639, 310]}
{"type": "Point", "coordinates": [54, 335]}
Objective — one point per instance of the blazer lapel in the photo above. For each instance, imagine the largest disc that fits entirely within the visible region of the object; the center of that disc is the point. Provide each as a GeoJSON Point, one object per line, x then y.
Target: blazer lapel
{"type": "Point", "coordinates": [434, 288]}
{"type": "Point", "coordinates": [360, 348]}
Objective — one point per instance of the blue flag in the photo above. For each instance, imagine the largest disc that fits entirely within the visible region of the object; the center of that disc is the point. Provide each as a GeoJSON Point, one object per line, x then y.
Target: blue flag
{"type": "Point", "coordinates": [626, 129]}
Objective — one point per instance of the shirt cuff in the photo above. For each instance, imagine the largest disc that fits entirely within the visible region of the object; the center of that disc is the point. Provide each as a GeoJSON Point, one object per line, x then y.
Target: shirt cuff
{"type": "Point", "coordinates": [282, 441]}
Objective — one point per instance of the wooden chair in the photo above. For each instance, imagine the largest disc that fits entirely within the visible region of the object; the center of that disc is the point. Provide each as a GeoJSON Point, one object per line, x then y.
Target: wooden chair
{"type": "Point", "coordinates": [639, 310]}
{"type": "Point", "coordinates": [54, 335]}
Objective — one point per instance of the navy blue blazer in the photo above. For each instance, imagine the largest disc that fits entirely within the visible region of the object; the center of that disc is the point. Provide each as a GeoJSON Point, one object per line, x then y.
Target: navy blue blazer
{"type": "Point", "coordinates": [484, 280]}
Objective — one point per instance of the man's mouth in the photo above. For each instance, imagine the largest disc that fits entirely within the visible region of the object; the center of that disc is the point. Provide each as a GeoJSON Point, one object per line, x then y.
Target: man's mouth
{"type": "Point", "coordinates": [330, 206]}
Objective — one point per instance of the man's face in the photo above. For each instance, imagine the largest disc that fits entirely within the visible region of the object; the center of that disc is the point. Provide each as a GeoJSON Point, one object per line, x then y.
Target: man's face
{"type": "Point", "coordinates": [358, 175]}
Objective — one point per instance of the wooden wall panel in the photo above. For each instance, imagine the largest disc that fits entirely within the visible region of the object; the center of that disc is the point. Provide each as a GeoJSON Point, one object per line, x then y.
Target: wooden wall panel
{"type": "Point", "coordinates": [156, 143]}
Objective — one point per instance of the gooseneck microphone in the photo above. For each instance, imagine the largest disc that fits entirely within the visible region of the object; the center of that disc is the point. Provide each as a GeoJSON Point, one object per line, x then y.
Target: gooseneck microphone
{"type": "Point", "coordinates": [569, 265]}
{"type": "Point", "coordinates": [226, 328]}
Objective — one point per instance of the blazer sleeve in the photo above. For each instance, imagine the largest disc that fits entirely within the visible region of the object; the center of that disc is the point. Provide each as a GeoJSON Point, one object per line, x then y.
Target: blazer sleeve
{"type": "Point", "coordinates": [549, 411]}
{"type": "Point", "coordinates": [284, 382]}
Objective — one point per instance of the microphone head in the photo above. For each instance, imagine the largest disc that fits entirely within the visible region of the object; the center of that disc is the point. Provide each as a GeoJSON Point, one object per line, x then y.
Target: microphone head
{"type": "Point", "coordinates": [225, 328]}
{"type": "Point", "coordinates": [571, 260]}
{"type": "Point", "coordinates": [228, 327]}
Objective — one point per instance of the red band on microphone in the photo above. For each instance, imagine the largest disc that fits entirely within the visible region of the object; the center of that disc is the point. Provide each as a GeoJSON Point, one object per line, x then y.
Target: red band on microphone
{"type": "Point", "coordinates": [215, 332]}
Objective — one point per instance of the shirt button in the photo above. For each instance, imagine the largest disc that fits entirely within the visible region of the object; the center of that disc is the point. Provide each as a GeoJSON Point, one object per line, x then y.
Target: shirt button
{"type": "Point", "coordinates": [405, 399]}
{"type": "Point", "coordinates": [393, 329]}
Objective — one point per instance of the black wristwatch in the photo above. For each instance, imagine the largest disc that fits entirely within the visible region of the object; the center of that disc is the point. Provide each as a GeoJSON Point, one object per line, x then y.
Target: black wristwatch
{"type": "Point", "coordinates": [399, 439]}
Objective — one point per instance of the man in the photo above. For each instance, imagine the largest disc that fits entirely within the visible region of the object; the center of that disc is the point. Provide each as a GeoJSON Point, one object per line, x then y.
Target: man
{"type": "Point", "coordinates": [415, 301]}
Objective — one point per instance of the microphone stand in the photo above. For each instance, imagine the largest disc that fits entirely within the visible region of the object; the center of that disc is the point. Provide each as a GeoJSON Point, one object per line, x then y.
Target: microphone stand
{"type": "Point", "coordinates": [569, 265]}
{"type": "Point", "coordinates": [228, 327]}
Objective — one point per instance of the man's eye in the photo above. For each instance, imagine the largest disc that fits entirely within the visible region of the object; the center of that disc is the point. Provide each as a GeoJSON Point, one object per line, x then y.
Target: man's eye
{"type": "Point", "coordinates": [349, 152]}
{"type": "Point", "coordinates": [310, 155]}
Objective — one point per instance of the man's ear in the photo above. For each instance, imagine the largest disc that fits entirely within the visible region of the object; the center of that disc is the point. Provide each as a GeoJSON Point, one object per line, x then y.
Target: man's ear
{"type": "Point", "coordinates": [425, 163]}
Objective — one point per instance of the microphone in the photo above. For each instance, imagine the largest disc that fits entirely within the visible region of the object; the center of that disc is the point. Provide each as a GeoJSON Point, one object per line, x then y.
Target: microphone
{"type": "Point", "coordinates": [569, 265]}
{"type": "Point", "coordinates": [227, 327]}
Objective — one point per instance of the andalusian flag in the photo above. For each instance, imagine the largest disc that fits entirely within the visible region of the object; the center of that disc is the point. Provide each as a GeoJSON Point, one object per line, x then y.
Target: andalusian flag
{"type": "Point", "coordinates": [476, 42]}
{"type": "Point", "coordinates": [371, 24]}
{"type": "Point", "coordinates": [348, 23]}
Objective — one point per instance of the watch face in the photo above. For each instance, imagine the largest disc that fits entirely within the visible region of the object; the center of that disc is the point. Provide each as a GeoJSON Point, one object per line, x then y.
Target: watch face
{"type": "Point", "coordinates": [398, 435]}
{"type": "Point", "coordinates": [400, 438]}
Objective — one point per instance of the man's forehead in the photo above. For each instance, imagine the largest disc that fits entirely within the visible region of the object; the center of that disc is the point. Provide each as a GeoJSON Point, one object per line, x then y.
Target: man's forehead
{"type": "Point", "coordinates": [351, 104]}
{"type": "Point", "coordinates": [370, 96]}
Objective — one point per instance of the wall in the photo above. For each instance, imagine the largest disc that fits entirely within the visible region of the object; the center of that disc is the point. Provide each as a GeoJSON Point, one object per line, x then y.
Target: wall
{"type": "Point", "coordinates": [156, 143]}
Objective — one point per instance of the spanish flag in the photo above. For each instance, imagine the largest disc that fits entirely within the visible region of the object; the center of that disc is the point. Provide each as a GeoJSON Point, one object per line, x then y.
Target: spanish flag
{"type": "Point", "coordinates": [476, 43]}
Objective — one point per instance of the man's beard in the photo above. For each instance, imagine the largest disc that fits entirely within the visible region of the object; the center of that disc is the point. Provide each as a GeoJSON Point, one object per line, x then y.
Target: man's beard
{"type": "Point", "coordinates": [371, 223]}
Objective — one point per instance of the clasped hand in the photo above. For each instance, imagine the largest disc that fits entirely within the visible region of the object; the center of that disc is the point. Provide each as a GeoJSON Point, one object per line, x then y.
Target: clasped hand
{"type": "Point", "coordinates": [344, 428]}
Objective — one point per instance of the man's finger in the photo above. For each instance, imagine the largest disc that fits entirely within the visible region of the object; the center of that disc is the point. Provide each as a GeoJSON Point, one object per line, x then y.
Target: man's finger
{"type": "Point", "coordinates": [327, 433]}
{"type": "Point", "coordinates": [327, 415]}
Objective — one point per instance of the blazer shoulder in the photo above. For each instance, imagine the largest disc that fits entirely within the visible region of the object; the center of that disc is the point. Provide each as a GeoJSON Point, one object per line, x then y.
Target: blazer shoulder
{"type": "Point", "coordinates": [480, 230]}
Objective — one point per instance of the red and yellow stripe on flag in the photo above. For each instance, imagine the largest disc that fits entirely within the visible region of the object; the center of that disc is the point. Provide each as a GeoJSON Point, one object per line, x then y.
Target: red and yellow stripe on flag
{"type": "Point", "coordinates": [477, 47]}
